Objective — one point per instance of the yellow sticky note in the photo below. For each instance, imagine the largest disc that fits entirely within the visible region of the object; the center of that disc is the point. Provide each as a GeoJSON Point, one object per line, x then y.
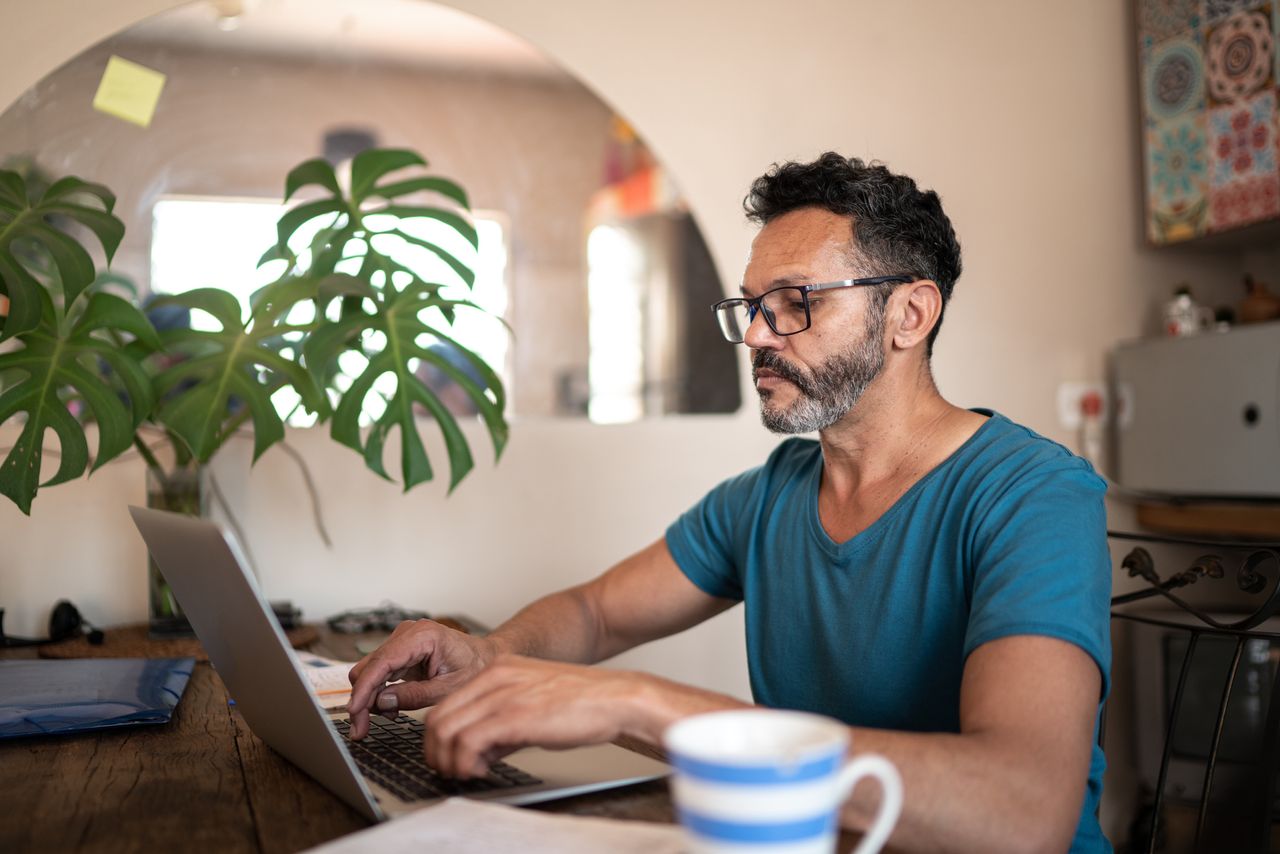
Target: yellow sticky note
{"type": "Point", "coordinates": [129, 91]}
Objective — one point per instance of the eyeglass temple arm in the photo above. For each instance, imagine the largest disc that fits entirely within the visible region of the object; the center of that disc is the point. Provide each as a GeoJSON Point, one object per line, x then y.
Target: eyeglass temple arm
{"type": "Point", "coordinates": [849, 283]}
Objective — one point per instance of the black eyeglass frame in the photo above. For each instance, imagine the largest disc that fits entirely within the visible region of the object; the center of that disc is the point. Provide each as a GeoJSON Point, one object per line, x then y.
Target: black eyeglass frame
{"type": "Point", "coordinates": [755, 305]}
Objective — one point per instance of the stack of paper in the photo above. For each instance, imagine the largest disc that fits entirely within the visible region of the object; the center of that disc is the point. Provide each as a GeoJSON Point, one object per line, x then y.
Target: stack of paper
{"type": "Point", "coordinates": [460, 826]}
{"type": "Point", "coordinates": [328, 679]}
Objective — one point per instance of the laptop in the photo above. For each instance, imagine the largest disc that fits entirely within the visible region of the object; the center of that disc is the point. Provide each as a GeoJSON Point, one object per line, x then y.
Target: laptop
{"type": "Point", "coordinates": [380, 776]}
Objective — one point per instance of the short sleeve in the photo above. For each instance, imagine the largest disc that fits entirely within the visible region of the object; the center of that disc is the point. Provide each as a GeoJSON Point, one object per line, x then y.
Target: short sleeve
{"type": "Point", "coordinates": [1041, 564]}
{"type": "Point", "coordinates": [703, 539]}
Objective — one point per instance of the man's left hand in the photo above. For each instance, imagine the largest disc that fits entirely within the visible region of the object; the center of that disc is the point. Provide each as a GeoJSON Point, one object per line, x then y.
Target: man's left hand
{"type": "Point", "coordinates": [517, 702]}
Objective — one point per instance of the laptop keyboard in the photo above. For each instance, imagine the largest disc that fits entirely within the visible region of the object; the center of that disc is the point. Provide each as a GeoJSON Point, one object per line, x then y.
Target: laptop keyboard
{"type": "Point", "coordinates": [391, 756]}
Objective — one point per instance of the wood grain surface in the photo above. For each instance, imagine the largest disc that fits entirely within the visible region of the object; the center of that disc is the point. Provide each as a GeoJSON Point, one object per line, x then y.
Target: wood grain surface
{"type": "Point", "coordinates": [1256, 521]}
{"type": "Point", "coordinates": [169, 787]}
{"type": "Point", "coordinates": [291, 811]}
{"type": "Point", "coordinates": [133, 642]}
{"type": "Point", "coordinates": [205, 782]}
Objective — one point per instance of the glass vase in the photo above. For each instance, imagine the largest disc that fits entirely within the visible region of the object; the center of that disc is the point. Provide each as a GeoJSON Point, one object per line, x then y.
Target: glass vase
{"type": "Point", "coordinates": [178, 487]}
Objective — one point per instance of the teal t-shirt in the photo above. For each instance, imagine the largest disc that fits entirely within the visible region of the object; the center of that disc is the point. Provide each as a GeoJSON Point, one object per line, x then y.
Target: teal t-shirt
{"type": "Point", "coordinates": [1007, 536]}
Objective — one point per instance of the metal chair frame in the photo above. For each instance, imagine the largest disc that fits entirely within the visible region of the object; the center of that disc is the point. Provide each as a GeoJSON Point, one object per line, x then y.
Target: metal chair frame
{"type": "Point", "coordinates": [1251, 581]}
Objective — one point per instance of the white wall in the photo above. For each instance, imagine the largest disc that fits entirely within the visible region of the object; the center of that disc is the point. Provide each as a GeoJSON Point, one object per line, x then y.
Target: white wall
{"type": "Point", "coordinates": [1020, 112]}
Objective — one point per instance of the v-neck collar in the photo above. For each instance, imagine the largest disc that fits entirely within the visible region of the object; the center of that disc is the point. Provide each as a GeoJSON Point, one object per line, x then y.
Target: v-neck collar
{"type": "Point", "coordinates": [841, 549]}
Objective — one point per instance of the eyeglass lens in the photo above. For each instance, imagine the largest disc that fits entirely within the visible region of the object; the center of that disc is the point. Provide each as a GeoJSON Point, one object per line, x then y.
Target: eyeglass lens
{"type": "Point", "coordinates": [785, 309]}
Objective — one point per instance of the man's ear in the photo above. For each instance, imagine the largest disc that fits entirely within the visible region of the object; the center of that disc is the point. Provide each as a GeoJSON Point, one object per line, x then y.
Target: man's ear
{"type": "Point", "coordinates": [919, 305]}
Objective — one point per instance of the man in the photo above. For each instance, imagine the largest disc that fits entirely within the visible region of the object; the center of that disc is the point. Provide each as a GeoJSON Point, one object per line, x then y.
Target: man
{"type": "Point", "coordinates": [937, 578]}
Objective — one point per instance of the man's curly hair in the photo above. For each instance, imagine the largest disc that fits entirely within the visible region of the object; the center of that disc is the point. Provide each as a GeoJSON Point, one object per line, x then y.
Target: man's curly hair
{"type": "Point", "coordinates": [897, 227]}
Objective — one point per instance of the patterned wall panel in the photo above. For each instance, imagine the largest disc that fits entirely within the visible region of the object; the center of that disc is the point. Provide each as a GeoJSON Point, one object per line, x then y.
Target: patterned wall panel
{"type": "Point", "coordinates": [1210, 70]}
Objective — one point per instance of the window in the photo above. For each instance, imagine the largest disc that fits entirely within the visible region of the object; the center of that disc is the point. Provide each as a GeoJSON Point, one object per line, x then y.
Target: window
{"type": "Point", "coordinates": [617, 278]}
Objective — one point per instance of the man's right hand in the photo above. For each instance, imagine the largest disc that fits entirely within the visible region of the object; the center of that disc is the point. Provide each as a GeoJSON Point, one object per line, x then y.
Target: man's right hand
{"type": "Point", "coordinates": [433, 660]}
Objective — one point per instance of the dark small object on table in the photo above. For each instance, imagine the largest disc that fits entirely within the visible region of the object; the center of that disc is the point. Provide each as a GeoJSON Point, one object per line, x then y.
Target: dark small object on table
{"type": "Point", "coordinates": [384, 618]}
{"type": "Point", "coordinates": [289, 616]}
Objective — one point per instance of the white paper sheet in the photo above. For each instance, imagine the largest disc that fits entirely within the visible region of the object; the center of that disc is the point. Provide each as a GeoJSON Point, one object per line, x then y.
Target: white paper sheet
{"type": "Point", "coordinates": [460, 826]}
{"type": "Point", "coordinates": [328, 679]}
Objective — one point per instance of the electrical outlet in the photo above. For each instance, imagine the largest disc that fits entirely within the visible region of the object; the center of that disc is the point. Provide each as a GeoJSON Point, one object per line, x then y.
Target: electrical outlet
{"type": "Point", "coordinates": [1071, 397]}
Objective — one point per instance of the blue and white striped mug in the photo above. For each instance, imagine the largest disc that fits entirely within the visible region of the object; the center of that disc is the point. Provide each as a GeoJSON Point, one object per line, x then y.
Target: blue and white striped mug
{"type": "Point", "coordinates": [767, 781]}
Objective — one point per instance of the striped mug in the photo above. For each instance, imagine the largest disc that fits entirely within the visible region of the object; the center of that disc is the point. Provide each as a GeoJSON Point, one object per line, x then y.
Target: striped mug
{"type": "Point", "coordinates": [768, 781]}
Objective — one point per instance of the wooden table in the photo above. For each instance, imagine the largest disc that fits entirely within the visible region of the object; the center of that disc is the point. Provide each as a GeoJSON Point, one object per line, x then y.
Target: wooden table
{"type": "Point", "coordinates": [204, 782]}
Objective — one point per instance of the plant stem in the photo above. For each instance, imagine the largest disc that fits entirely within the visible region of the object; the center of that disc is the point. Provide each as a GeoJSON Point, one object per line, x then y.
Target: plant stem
{"type": "Point", "coordinates": [152, 463]}
{"type": "Point", "coordinates": [182, 453]}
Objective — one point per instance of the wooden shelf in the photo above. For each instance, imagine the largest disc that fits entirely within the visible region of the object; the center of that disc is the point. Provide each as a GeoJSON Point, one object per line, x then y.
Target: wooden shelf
{"type": "Point", "coordinates": [1220, 520]}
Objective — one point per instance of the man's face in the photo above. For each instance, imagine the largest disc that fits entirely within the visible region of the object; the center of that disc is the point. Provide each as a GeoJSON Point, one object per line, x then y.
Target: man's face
{"type": "Point", "coordinates": [811, 380]}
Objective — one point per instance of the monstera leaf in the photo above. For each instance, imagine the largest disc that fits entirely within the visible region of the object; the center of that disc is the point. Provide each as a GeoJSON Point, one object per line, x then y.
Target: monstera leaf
{"type": "Point", "coordinates": [56, 364]}
{"type": "Point", "coordinates": [223, 378]}
{"type": "Point", "coordinates": [384, 307]}
{"type": "Point", "coordinates": [396, 315]}
{"type": "Point", "coordinates": [23, 278]}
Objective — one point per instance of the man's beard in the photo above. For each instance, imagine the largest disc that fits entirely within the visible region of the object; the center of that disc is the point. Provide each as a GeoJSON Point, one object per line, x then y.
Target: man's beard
{"type": "Point", "coordinates": [829, 392]}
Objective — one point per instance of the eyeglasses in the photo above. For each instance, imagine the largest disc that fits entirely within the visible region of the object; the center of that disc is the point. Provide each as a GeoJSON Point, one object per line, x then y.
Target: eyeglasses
{"type": "Point", "coordinates": [785, 309]}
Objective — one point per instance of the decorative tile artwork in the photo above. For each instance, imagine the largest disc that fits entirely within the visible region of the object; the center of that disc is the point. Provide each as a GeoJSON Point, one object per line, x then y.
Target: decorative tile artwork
{"type": "Point", "coordinates": [1210, 71]}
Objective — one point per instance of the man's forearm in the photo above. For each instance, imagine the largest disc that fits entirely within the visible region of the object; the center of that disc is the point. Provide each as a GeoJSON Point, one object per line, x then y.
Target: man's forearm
{"type": "Point", "coordinates": [643, 598]}
{"type": "Point", "coordinates": [1014, 779]}
{"type": "Point", "coordinates": [561, 627]}
{"type": "Point", "coordinates": [966, 793]}
{"type": "Point", "coordinates": [658, 703]}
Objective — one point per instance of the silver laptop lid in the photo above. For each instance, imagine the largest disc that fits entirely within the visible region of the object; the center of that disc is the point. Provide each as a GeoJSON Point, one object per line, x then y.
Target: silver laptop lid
{"type": "Point", "coordinates": [245, 643]}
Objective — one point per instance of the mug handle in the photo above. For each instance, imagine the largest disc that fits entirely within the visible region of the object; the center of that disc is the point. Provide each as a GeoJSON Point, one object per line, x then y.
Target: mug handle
{"type": "Point", "coordinates": [872, 765]}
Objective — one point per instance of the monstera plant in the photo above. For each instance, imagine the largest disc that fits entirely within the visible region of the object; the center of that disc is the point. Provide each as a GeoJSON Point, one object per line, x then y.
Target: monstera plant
{"type": "Point", "coordinates": [71, 351]}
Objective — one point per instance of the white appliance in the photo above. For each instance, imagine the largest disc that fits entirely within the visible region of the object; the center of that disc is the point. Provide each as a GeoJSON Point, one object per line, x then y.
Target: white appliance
{"type": "Point", "coordinates": [1200, 415]}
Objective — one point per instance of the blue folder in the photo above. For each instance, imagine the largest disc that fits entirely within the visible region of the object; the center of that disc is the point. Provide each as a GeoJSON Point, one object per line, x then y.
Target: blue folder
{"type": "Point", "coordinates": [46, 697]}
